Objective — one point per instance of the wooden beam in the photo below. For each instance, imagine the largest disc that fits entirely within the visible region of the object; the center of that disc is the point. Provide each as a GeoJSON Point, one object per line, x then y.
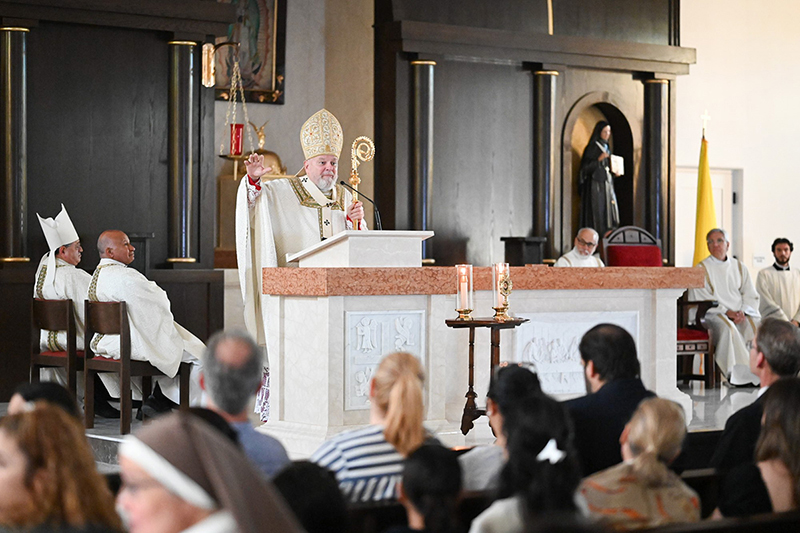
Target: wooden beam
{"type": "Point", "coordinates": [459, 42]}
{"type": "Point", "coordinates": [201, 17]}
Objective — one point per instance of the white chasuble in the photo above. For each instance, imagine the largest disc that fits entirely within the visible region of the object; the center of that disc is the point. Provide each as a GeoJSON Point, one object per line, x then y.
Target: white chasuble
{"type": "Point", "coordinates": [155, 336]}
{"type": "Point", "coordinates": [574, 258]}
{"type": "Point", "coordinates": [728, 282]}
{"type": "Point", "coordinates": [780, 293]}
{"type": "Point", "coordinates": [69, 283]}
{"type": "Point", "coordinates": [284, 217]}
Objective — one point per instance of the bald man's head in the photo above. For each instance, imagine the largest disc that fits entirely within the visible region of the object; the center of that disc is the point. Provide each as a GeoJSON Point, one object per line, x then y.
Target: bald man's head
{"type": "Point", "coordinates": [114, 244]}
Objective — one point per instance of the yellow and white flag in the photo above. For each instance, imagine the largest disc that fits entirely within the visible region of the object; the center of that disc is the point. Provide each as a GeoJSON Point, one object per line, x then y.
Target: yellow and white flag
{"type": "Point", "coordinates": [706, 214]}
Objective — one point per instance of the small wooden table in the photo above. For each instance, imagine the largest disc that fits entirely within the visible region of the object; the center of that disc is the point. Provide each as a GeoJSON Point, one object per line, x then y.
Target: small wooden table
{"type": "Point", "coordinates": [471, 411]}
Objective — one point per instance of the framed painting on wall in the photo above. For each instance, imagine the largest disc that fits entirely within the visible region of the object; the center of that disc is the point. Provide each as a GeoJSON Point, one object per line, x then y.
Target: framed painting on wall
{"type": "Point", "coordinates": [260, 30]}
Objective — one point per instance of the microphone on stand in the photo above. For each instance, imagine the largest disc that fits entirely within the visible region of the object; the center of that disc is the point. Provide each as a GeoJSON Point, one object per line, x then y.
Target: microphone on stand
{"type": "Point", "coordinates": [377, 214]}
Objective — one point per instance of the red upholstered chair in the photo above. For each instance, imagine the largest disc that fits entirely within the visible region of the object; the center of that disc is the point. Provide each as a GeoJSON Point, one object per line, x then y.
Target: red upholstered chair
{"type": "Point", "coordinates": [55, 315]}
{"type": "Point", "coordinates": [694, 338]}
{"type": "Point", "coordinates": [111, 318]}
{"type": "Point", "coordinates": [631, 246]}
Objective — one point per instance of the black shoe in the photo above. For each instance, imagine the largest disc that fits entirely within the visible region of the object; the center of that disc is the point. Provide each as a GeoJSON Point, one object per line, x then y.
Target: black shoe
{"type": "Point", "coordinates": [157, 404]}
{"type": "Point", "coordinates": [139, 414]}
{"type": "Point", "coordinates": [103, 409]}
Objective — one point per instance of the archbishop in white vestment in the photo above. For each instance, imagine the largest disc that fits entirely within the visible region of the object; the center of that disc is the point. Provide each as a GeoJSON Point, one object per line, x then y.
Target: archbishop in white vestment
{"type": "Point", "coordinates": [284, 216]}
{"type": "Point", "coordinates": [735, 319]}
{"type": "Point", "coordinates": [155, 336]}
{"type": "Point", "coordinates": [59, 278]}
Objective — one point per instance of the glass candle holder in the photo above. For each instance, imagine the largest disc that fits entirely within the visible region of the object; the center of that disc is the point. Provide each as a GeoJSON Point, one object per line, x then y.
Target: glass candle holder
{"type": "Point", "coordinates": [501, 288]}
{"type": "Point", "coordinates": [464, 293]}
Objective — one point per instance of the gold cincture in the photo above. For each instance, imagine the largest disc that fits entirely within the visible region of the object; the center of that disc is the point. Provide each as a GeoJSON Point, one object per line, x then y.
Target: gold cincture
{"type": "Point", "coordinates": [363, 149]}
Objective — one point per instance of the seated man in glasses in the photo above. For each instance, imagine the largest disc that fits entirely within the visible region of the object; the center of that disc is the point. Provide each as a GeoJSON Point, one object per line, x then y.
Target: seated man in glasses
{"type": "Point", "coordinates": [581, 254]}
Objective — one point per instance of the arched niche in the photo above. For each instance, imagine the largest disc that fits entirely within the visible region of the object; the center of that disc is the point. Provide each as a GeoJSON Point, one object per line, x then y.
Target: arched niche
{"type": "Point", "coordinates": [625, 142]}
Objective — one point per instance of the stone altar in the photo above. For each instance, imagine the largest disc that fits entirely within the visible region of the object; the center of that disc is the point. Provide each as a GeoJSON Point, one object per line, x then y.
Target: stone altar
{"type": "Point", "coordinates": [333, 325]}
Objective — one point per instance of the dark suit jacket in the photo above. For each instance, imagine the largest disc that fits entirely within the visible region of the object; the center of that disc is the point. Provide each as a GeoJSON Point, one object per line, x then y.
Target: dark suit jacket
{"type": "Point", "coordinates": [737, 445]}
{"type": "Point", "coordinates": [599, 419]}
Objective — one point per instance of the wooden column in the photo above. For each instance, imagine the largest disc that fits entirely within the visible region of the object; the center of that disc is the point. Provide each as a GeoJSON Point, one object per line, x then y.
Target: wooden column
{"type": "Point", "coordinates": [14, 208]}
{"type": "Point", "coordinates": [656, 159]}
{"type": "Point", "coordinates": [422, 148]}
{"type": "Point", "coordinates": [544, 113]}
{"type": "Point", "coordinates": [181, 131]}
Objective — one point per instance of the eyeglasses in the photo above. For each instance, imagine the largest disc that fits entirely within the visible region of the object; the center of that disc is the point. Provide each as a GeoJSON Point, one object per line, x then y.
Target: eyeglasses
{"type": "Point", "coordinates": [581, 241]}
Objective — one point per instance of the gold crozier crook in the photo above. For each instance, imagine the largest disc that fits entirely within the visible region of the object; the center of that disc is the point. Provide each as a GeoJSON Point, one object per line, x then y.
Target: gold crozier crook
{"type": "Point", "coordinates": [363, 149]}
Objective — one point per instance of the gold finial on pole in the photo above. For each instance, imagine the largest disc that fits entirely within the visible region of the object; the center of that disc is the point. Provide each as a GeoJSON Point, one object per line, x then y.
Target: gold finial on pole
{"type": "Point", "coordinates": [362, 150]}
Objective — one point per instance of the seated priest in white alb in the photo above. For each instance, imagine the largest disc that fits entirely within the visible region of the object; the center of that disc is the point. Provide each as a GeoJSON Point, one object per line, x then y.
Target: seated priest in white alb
{"type": "Point", "coordinates": [581, 254]}
{"type": "Point", "coordinates": [284, 216]}
{"type": "Point", "coordinates": [735, 319]}
{"type": "Point", "coordinates": [779, 287]}
{"type": "Point", "coordinates": [155, 336]}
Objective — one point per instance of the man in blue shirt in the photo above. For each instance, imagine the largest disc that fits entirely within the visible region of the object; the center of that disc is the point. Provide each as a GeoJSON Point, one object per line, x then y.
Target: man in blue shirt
{"type": "Point", "coordinates": [231, 377]}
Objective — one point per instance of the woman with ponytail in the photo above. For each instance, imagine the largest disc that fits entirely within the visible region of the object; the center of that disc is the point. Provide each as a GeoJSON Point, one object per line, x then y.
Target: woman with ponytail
{"type": "Point", "coordinates": [642, 492]}
{"type": "Point", "coordinates": [772, 483]}
{"type": "Point", "coordinates": [430, 491]}
{"type": "Point", "coordinates": [368, 462]}
{"type": "Point", "coordinates": [541, 474]}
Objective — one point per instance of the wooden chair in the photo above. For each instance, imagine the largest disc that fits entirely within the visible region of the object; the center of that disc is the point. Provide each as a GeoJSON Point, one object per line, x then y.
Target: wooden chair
{"type": "Point", "coordinates": [55, 315]}
{"type": "Point", "coordinates": [631, 246]}
{"type": "Point", "coordinates": [111, 318]}
{"type": "Point", "coordinates": [694, 338]}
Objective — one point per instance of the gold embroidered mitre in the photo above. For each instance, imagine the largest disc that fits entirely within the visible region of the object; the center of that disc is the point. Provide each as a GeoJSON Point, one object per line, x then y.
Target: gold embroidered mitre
{"type": "Point", "coordinates": [321, 135]}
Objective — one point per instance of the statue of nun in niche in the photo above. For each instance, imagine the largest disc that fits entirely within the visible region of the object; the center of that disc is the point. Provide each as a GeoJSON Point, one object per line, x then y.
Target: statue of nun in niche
{"type": "Point", "coordinates": [598, 200]}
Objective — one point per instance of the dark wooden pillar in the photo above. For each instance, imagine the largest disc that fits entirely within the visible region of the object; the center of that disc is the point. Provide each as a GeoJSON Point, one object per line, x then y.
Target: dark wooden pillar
{"type": "Point", "coordinates": [181, 171]}
{"type": "Point", "coordinates": [544, 113]}
{"type": "Point", "coordinates": [656, 159]}
{"type": "Point", "coordinates": [422, 148]}
{"type": "Point", "coordinates": [13, 247]}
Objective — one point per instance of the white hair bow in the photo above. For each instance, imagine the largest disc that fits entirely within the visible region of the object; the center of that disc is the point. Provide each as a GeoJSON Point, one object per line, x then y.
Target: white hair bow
{"type": "Point", "coordinates": [551, 453]}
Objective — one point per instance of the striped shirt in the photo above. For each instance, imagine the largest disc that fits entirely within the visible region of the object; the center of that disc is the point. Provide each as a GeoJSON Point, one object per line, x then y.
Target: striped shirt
{"type": "Point", "coordinates": [367, 467]}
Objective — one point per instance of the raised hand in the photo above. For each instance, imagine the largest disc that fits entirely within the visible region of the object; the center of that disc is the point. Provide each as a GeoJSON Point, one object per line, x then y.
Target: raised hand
{"type": "Point", "coordinates": [255, 166]}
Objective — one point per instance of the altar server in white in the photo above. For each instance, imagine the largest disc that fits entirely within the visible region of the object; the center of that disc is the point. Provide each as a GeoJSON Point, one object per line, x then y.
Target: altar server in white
{"type": "Point", "coordinates": [779, 286]}
{"type": "Point", "coordinates": [284, 216]}
{"type": "Point", "coordinates": [155, 336]}
{"type": "Point", "coordinates": [58, 278]}
{"type": "Point", "coordinates": [582, 252]}
{"type": "Point", "coordinates": [735, 319]}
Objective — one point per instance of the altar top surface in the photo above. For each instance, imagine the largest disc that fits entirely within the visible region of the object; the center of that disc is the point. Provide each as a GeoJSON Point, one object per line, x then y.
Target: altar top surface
{"type": "Point", "coordinates": [442, 280]}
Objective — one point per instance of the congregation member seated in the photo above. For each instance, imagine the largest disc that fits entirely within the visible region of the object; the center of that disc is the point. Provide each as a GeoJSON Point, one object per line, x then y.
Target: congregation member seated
{"type": "Point", "coordinates": [180, 473]}
{"type": "Point", "coordinates": [368, 462]}
{"type": "Point", "coordinates": [314, 496]}
{"type": "Point", "coordinates": [582, 253]}
{"type": "Point", "coordinates": [775, 354]}
{"type": "Point", "coordinates": [614, 390]}
{"type": "Point", "coordinates": [772, 483]}
{"type": "Point", "coordinates": [27, 394]}
{"type": "Point", "coordinates": [541, 475]}
{"type": "Point", "coordinates": [642, 492]}
{"type": "Point", "coordinates": [481, 465]}
{"type": "Point", "coordinates": [155, 336]}
{"type": "Point", "coordinates": [430, 490]}
{"type": "Point", "coordinates": [231, 376]}
{"type": "Point", "coordinates": [733, 321]}
{"type": "Point", "coordinates": [47, 474]}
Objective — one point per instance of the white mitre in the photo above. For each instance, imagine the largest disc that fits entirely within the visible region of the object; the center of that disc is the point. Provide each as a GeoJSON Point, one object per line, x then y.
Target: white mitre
{"type": "Point", "coordinates": [58, 232]}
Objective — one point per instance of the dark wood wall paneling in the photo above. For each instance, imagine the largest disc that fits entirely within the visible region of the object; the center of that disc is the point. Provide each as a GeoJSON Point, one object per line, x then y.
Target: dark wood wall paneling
{"type": "Point", "coordinates": [483, 94]}
{"type": "Point", "coordinates": [98, 74]}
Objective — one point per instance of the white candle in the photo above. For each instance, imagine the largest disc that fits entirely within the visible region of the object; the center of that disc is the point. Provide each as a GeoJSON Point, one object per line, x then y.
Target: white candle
{"type": "Point", "coordinates": [463, 287]}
